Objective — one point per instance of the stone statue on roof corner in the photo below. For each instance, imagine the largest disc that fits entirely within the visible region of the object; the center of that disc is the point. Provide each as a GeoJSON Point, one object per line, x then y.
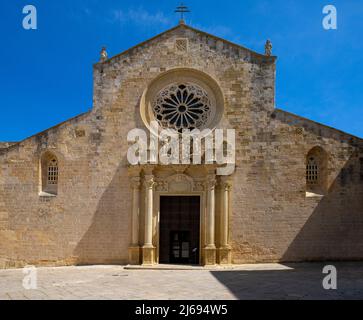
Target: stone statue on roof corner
{"type": "Point", "coordinates": [104, 55]}
{"type": "Point", "coordinates": [268, 48]}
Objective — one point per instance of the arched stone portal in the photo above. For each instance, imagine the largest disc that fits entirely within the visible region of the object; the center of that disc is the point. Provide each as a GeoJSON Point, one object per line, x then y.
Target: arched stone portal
{"type": "Point", "coordinates": [152, 182]}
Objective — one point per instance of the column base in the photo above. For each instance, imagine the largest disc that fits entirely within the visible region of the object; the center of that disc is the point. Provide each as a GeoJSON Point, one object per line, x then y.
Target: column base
{"type": "Point", "coordinates": [225, 255]}
{"type": "Point", "coordinates": [148, 255]}
{"type": "Point", "coordinates": [134, 255]}
{"type": "Point", "coordinates": [209, 255]}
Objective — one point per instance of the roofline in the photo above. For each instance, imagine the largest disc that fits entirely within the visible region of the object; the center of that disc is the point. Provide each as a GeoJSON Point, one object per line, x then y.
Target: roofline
{"type": "Point", "coordinates": [319, 123]}
{"type": "Point", "coordinates": [259, 55]}
{"type": "Point", "coordinates": [47, 130]}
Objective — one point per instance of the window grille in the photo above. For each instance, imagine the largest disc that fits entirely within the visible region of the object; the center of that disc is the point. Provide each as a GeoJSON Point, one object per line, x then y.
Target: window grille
{"type": "Point", "coordinates": [312, 171]}
{"type": "Point", "coordinates": [53, 172]}
{"type": "Point", "coordinates": [181, 45]}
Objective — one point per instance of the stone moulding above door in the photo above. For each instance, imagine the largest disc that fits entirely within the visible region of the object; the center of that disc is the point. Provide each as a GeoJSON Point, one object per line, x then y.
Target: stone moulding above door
{"type": "Point", "coordinates": [180, 183]}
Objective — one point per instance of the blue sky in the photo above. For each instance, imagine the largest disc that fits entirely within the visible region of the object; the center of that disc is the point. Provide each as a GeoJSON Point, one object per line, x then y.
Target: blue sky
{"type": "Point", "coordinates": [46, 74]}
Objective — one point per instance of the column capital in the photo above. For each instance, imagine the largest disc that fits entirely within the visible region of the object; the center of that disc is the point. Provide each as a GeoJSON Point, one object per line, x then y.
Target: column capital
{"type": "Point", "coordinates": [211, 182]}
{"type": "Point", "coordinates": [226, 183]}
{"type": "Point", "coordinates": [149, 182]}
{"type": "Point", "coordinates": [135, 182]}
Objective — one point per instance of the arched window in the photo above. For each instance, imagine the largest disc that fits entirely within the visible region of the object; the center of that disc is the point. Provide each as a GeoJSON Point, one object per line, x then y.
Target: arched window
{"type": "Point", "coordinates": [316, 171]}
{"type": "Point", "coordinates": [49, 174]}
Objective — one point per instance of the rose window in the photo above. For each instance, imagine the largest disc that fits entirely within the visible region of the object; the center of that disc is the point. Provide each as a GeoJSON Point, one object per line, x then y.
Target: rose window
{"type": "Point", "coordinates": [182, 106]}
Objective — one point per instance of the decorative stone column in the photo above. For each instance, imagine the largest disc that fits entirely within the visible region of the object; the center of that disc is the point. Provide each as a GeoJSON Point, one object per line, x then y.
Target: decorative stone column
{"type": "Point", "coordinates": [134, 249]}
{"type": "Point", "coordinates": [210, 248]}
{"type": "Point", "coordinates": [148, 249]}
{"type": "Point", "coordinates": [224, 251]}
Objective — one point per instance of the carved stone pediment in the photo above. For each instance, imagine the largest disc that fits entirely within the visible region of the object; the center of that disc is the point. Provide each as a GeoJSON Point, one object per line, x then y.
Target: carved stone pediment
{"type": "Point", "coordinates": [180, 183]}
{"type": "Point", "coordinates": [176, 179]}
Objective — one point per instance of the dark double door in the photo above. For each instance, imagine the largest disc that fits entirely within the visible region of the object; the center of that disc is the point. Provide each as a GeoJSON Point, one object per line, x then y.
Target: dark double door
{"type": "Point", "coordinates": [179, 230]}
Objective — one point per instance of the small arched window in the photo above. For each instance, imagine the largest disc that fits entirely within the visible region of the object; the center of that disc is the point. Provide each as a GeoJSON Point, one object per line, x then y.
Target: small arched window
{"type": "Point", "coordinates": [49, 171]}
{"type": "Point", "coordinates": [316, 171]}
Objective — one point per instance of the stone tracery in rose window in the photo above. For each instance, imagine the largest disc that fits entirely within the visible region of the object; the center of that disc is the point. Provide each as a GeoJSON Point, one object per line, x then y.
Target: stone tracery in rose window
{"type": "Point", "coordinates": [182, 106]}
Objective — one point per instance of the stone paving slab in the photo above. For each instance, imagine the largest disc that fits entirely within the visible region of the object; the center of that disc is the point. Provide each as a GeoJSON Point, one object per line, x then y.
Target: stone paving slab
{"type": "Point", "coordinates": [263, 281]}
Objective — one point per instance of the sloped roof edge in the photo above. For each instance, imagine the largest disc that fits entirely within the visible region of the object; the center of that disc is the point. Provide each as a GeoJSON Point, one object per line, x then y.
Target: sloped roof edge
{"type": "Point", "coordinates": [14, 144]}
{"type": "Point", "coordinates": [317, 123]}
{"type": "Point", "coordinates": [254, 53]}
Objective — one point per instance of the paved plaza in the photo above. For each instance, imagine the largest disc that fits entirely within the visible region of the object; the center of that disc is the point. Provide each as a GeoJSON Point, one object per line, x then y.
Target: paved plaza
{"type": "Point", "coordinates": [266, 281]}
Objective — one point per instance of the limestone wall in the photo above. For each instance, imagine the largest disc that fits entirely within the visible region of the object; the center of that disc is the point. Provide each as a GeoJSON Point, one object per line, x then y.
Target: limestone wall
{"type": "Point", "coordinates": [273, 219]}
{"type": "Point", "coordinates": [88, 221]}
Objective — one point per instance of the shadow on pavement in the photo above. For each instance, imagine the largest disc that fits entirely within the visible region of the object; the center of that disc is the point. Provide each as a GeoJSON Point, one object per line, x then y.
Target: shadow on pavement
{"type": "Point", "coordinates": [303, 281]}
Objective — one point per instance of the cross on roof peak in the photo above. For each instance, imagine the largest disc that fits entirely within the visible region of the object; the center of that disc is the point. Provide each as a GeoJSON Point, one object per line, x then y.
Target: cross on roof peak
{"type": "Point", "coordinates": [182, 9]}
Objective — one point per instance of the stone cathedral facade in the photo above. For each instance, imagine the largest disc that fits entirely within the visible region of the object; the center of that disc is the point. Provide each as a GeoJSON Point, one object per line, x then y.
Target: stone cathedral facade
{"type": "Point", "coordinates": [68, 195]}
